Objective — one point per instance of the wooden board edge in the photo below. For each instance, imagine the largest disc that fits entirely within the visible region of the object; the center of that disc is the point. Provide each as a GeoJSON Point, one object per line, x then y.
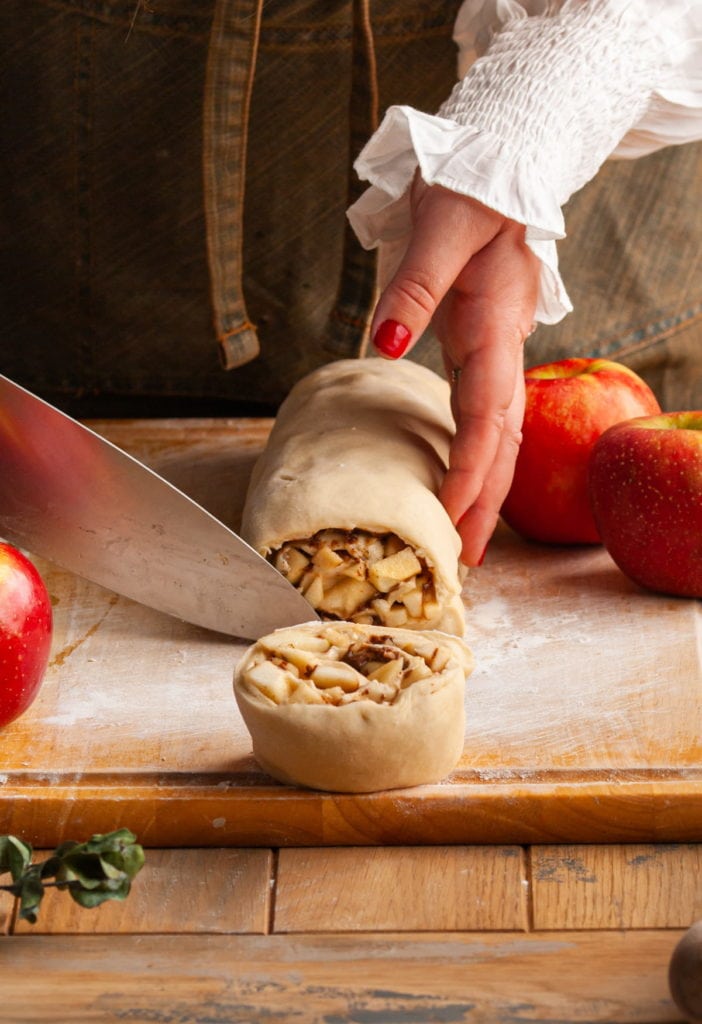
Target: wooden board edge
{"type": "Point", "coordinates": [274, 816]}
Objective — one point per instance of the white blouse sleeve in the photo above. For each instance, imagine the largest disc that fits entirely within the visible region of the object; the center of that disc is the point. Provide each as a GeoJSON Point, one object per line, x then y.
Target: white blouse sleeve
{"type": "Point", "coordinates": [548, 91]}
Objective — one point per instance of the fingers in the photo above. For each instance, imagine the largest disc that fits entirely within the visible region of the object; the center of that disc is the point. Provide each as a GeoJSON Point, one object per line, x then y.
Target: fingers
{"type": "Point", "coordinates": [477, 525]}
{"type": "Point", "coordinates": [448, 229]}
{"type": "Point", "coordinates": [468, 268]}
{"type": "Point", "coordinates": [482, 325]}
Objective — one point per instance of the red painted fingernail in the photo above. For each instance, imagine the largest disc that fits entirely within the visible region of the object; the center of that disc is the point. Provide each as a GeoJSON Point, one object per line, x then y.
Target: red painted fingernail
{"type": "Point", "coordinates": [392, 339]}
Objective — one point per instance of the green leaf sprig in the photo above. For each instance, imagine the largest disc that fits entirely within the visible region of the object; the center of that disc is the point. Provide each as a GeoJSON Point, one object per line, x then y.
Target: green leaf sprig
{"type": "Point", "coordinates": [95, 871]}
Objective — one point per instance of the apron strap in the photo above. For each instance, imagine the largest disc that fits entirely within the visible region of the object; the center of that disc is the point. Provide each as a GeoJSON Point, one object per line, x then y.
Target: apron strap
{"type": "Point", "coordinates": [349, 320]}
{"type": "Point", "coordinates": [231, 63]}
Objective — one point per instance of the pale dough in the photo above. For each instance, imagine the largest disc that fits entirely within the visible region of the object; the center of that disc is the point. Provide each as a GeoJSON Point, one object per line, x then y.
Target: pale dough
{"type": "Point", "coordinates": [400, 722]}
{"type": "Point", "coordinates": [362, 445]}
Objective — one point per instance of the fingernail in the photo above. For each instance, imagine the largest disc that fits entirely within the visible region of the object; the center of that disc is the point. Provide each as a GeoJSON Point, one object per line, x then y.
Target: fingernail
{"type": "Point", "coordinates": [482, 557]}
{"type": "Point", "coordinates": [392, 339]}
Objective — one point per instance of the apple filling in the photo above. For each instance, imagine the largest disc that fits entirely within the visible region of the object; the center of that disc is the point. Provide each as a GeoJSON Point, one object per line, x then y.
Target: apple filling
{"type": "Point", "coordinates": [353, 708]}
{"type": "Point", "coordinates": [334, 666]}
{"type": "Point", "coordinates": [357, 576]}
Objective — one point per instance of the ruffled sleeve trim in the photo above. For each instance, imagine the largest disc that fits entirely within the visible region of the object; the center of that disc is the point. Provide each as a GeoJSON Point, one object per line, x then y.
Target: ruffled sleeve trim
{"type": "Point", "coordinates": [462, 158]}
{"type": "Point", "coordinates": [466, 160]}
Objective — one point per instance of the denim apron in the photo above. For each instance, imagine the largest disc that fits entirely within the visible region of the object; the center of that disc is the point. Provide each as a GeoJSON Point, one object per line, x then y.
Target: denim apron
{"type": "Point", "coordinates": [632, 263]}
{"type": "Point", "coordinates": [174, 180]}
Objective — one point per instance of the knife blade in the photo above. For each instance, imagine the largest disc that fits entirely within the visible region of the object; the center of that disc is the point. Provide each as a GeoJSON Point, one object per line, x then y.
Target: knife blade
{"type": "Point", "coordinates": [76, 499]}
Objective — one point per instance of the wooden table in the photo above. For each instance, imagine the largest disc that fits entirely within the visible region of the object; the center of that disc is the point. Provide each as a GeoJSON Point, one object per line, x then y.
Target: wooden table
{"type": "Point", "coordinates": [350, 934]}
{"type": "Point", "coordinates": [548, 880]}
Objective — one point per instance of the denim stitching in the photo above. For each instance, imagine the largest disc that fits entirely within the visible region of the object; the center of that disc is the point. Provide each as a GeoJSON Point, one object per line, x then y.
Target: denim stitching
{"type": "Point", "coordinates": [123, 14]}
{"type": "Point", "coordinates": [647, 336]}
{"type": "Point", "coordinates": [306, 34]}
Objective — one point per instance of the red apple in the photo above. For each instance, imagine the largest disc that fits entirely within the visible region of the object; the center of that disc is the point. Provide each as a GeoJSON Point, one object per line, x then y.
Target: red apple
{"type": "Point", "coordinates": [25, 632]}
{"type": "Point", "coordinates": [568, 405]}
{"type": "Point", "coordinates": [646, 492]}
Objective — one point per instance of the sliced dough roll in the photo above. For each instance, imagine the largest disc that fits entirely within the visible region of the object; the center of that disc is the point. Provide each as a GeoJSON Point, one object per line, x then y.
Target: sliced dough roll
{"type": "Point", "coordinates": [354, 708]}
{"type": "Point", "coordinates": [344, 501]}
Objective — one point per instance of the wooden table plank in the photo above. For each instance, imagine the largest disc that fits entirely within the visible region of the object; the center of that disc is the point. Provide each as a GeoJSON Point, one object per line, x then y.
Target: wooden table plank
{"type": "Point", "coordinates": [7, 903]}
{"type": "Point", "coordinates": [401, 889]}
{"type": "Point", "coordinates": [612, 977]}
{"type": "Point", "coordinates": [221, 891]}
{"type": "Point", "coordinates": [637, 886]}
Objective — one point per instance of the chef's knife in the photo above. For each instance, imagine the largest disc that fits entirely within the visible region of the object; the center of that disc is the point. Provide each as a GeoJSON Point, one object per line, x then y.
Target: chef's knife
{"type": "Point", "coordinates": [69, 495]}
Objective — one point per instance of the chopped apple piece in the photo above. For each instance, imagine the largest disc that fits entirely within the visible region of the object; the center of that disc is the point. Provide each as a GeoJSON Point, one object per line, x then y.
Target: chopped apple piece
{"type": "Point", "coordinates": [420, 670]}
{"type": "Point", "coordinates": [325, 558]}
{"type": "Point", "coordinates": [303, 693]}
{"type": "Point", "coordinates": [336, 637]}
{"type": "Point", "coordinates": [370, 667]}
{"type": "Point", "coordinates": [315, 591]}
{"type": "Point", "coordinates": [439, 660]}
{"type": "Point", "coordinates": [307, 579]}
{"type": "Point", "coordinates": [381, 607]}
{"type": "Point", "coordinates": [381, 583]}
{"type": "Point", "coordinates": [333, 695]}
{"type": "Point", "coordinates": [380, 692]}
{"type": "Point", "coordinates": [389, 672]}
{"type": "Point", "coordinates": [292, 637]}
{"type": "Point", "coordinates": [304, 661]}
{"type": "Point", "coordinates": [356, 570]}
{"type": "Point", "coordinates": [292, 563]}
{"type": "Point", "coordinates": [336, 673]}
{"type": "Point", "coordinates": [400, 566]}
{"type": "Point", "coordinates": [421, 648]}
{"type": "Point", "coordinates": [271, 680]}
{"type": "Point", "coordinates": [384, 584]}
{"type": "Point", "coordinates": [400, 589]}
{"type": "Point", "coordinates": [346, 597]}
{"type": "Point", "coordinates": [319, 644]}
{"type": "Point", "coordinates": [397, 616]}
{"type": "Point", "coordinates": [413, 602]}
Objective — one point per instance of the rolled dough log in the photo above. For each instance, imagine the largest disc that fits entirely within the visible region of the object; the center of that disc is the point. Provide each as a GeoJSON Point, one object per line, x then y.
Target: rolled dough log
{"type": "Point", "coordinates": [354, 708]}
{"type": "Point", "coordinates": [344, 498]}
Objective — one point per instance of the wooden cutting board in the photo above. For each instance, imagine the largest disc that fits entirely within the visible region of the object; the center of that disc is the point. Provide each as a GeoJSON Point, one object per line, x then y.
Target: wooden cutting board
{"type": "Point", "coordinates": [584, 712]}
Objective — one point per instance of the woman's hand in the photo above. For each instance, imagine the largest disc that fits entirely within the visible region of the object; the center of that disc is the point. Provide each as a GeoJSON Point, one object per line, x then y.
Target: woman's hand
{"type": "Point", "coordinates": [469, 270]}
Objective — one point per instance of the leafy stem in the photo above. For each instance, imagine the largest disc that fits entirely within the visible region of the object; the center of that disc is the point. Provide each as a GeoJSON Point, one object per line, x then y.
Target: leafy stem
{"type": "Point", "coordinates": [94, 871]}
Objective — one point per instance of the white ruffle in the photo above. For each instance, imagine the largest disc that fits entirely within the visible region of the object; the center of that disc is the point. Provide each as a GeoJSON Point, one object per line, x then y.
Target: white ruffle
{"type": "Point", "coordinates": [656, 82]}
{"type": "Point", "coordinates": [465, 160]}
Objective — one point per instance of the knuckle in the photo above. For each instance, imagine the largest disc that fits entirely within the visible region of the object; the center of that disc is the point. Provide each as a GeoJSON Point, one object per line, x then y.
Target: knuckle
{"type": "Point", "coordinates": [496, 423]}
{"type": "Point", "coordinates": [512, 439]}
{"type": "Point", "coordinates": [418, 291]}
{"type": "Point", "coordinates": [516, 334]}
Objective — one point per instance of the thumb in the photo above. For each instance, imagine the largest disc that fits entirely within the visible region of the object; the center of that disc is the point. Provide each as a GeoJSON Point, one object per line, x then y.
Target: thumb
{"type": "Point", "coordinates": [448, 229]}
